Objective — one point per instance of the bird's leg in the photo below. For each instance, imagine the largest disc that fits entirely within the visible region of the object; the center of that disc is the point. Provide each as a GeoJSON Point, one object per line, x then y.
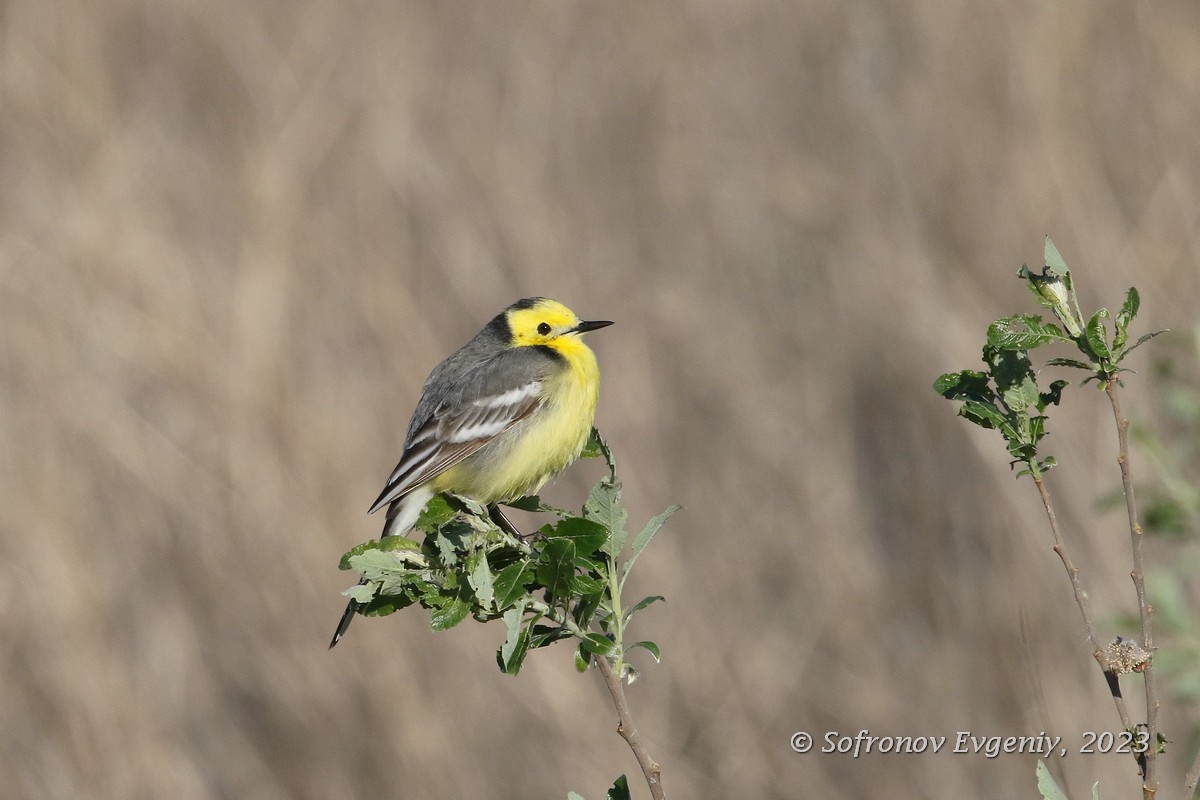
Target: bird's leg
{"type": "Point", "coordinates": [502, 522]}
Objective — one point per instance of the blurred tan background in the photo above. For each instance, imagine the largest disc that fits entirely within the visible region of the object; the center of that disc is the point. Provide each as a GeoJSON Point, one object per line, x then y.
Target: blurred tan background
{"type": "Point", "coordinates": [234, 240]}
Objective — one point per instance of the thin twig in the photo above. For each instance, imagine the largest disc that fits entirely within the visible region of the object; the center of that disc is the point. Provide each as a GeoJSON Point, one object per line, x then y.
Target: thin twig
{"type": "Point", "coordinates": [1145, 610]}
{"type": "Point", "coordinates": [629, 731]}
{"type": "Point", "coordinates": [1081, 599]}
{"type": "Point", "coordinates": [554, 615]}
{"type": "Point", "coordinates": [1191, 779]}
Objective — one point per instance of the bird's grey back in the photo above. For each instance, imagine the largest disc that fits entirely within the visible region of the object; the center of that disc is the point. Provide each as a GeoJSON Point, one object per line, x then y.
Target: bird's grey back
{"type": "Point", "coordinates": [442, 381]}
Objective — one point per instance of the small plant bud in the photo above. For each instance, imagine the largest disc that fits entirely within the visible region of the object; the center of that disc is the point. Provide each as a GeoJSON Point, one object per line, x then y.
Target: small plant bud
{"type": "Point", "coordinates": [1054, 292]}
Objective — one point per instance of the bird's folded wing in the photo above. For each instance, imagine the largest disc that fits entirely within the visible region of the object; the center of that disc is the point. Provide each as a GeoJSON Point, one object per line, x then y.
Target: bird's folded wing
{"type": "Point", "coordinates": [456, 429]}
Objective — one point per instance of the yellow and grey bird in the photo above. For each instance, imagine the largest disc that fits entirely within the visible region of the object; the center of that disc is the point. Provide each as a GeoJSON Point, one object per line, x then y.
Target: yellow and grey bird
{"type": "Point", "coordinates": [497, 419]}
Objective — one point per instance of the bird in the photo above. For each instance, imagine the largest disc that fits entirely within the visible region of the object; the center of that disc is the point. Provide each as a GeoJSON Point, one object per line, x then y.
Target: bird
{"type": "Point", "coordinates": [497, 419]}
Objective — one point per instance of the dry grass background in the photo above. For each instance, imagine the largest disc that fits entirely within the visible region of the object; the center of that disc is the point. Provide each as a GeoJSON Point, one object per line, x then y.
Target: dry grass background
{"type": "Point", "coordinates": [234, 240]}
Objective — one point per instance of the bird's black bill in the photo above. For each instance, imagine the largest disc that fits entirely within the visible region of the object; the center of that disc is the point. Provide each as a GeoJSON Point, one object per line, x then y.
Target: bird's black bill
{"type": "Point", "coordinates": [591, 325]}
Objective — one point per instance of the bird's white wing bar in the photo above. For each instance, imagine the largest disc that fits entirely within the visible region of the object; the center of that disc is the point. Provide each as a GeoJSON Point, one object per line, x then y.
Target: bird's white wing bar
{"type": "Point", "coordinates": [509, 398]}
{"type": "Point", "coordinates": [482, 430]}
{"type": "Point", "coordinates": [452, 433]}
{"type": "Point", "coordinates": [490, 416]}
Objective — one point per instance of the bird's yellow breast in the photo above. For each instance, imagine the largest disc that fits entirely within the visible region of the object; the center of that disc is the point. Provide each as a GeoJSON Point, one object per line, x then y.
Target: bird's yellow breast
{"type": "Point", "coordinates": [523, 458]}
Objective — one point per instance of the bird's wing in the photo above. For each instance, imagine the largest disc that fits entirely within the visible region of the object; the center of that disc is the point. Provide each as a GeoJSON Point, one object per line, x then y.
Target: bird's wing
{"type": "Point", "coordinates": [484, 404]}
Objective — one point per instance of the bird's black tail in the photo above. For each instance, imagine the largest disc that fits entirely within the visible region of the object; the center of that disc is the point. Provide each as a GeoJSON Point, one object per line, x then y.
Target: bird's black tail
{"type": "Point", "coordinates": [347, 618]}
{"type": "Point", "coordinates": [401, 515]}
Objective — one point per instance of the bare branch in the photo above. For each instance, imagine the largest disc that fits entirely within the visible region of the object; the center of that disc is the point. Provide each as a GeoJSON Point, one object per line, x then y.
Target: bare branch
{"type": "Point", "coordinates": [1081, 599]}
{"type": "Point", "coordinates": [629, 731]}
{"type": "Point", "coordinates": [1145, 610]}
{"type": "Point", "coordinates": [1191, 779]}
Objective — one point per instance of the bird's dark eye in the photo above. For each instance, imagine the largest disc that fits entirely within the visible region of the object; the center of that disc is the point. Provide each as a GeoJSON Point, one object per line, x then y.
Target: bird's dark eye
{"type": "Point", "coordinates": [543, 328]}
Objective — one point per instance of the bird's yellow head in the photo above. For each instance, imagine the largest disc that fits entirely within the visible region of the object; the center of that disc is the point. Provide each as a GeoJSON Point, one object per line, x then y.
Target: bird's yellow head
{"type": "Point", "coordinates": [540, 321]}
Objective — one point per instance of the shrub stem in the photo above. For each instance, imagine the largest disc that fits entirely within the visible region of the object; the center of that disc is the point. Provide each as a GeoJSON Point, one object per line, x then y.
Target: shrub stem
{"type": "Point", "coordinates": [1145, 610]}
{"type": "Point", "coordinates": [1081, 599]}
{"type": "Point", "coordinates": [629, 731]}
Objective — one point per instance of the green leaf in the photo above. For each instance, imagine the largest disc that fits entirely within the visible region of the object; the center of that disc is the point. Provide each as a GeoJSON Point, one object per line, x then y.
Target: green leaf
{"type": "Point", "coordinates": [573, 796]}
{"type": "Point", "coordinates": [556, 568]}
{"type": "Point", "coordinates": [649, 647]}
{"type": "Point", "coordinates": [512, 620]}
{"type": "Point", "coordinates": [1037, 426]}
{"type": "Point", "coordinates": [1021, 396]}
{"type": "Point", "coordinates": [449, 615]}
{"type": "Point", "coordinates": [588, 536]}
{"type": "Point", "coordinates": [437, 512]}
{"type": "Point", "coordinates": [1121, 332]}
{"type": "Point", "coordinates": [604, 507]}
{"type": "Point", "coordinates": [647, 533]}
{"type": "Point", "coordinates": [598, 644]}
{"type": "Point", "coordinates": [1022, 332]}
{"type": "Point", "coordinates": [645, 601]}
{"type": "Point", "coordinates": [472, 507]}
{"type": "Point", "coordinates": [1070, 362]}
{"type": "Point", "coordinates": [386, 544]}
{"type": "Point", "coordinates": [947, 384]}
{"type": "Point", "coordinates": [362, 593]}
{"type": "Point", "coordinates": [583, 659]}
{"type": "Point", "coordinates": [592, 448]}
{"type": "Point", "coordinates": [619, 790]}
{"type": "Point", "coordinates": [1129, 308]}
{"type": "Point", "coordinates": [509, 583]}
{"type": "Point", "coordinates": [480, 522]}
{"type": "Point", "coordinates": [512, 653]}
{"type": "Point", "coordinates": [480, 578]}
{"type": "Point", "coordinates": [952, 385]}
{"type": "Point", "coordinates": [597, 441]}
{"type": "Point", "coordinates": [1046, 784]}
{"type": "Point", "coordinates": [1141, 342]}
{"type": "Point", "coordinates": [375, 564]}
{"type": "Point", "coordinates": [451, 541]}
{"type": "Point", "coordinates": [1054, 260]}
{"type": "Point", "coordinates": [382, 606]}
{"type": "Point", "coordinates": [1007, 367]}
{"type": "Point", "coordinates": [548, 634]}
{"type": "Point", "coordinates": [529, 503]}
{"type": "Point", "coordinates": [535, 504]}
{"type": "Point", "coordinates": [586, 585]}
{"type": "Point", "coordinates": [1052, 395]}
{"type": "Point", "coordinates": [987, 415]}
{"type": "Point", "coordinates": [586, 607]}
{"type": "Point", "coordinates": [1097, 334]}
{"type": "Point", "coordinates": [590, 563]}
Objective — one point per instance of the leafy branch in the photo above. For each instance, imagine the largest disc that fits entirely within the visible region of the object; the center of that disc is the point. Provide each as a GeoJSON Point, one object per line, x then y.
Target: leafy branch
{"type": "Point", "coordinates": [562, 583]}
{"type": "Point", "coordinates": [1005, 396]}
